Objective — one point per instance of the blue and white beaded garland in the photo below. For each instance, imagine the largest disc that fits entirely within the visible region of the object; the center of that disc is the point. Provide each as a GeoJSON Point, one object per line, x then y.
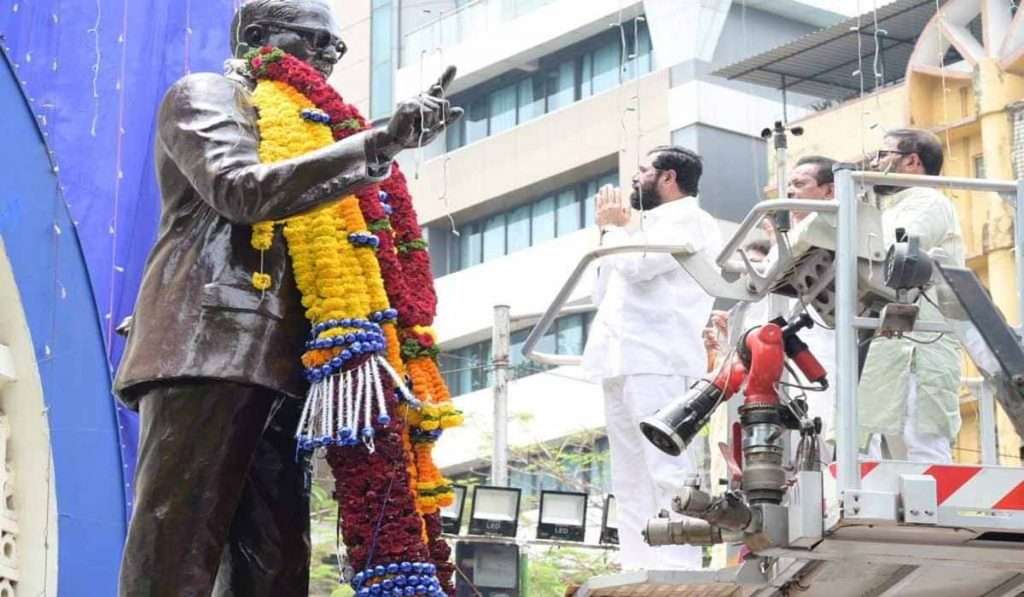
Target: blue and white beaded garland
{"type": "Point", "coordinates": [363, 238]}
{"type": "Point", "coordinates": [370, 340]}
{"type": "Point", "coordinates": [385, 202]}
{"type": "Point", "coordinates": [398, 580]}
{"type": "Point", "coordinates": [315, 115]}
{"type": "Point", "coordinates": [342, 406]}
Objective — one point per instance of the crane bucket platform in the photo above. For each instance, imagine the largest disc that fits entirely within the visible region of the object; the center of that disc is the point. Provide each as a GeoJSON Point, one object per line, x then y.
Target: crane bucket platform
{"type": "Point", "coordinates": [915, 530]}
{"type": "Point", "coordinates": [857, 526]}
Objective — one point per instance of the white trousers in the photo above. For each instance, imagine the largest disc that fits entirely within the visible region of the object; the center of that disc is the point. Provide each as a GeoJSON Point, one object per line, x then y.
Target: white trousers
{"type": "Point", "coordinates": [644, 478]}
{"type": "Point", "coordinates": [911, 445]}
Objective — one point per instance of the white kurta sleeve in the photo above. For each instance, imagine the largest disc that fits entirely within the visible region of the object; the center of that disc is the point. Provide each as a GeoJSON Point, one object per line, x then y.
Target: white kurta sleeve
{"type": "Point", "coordinates": [600, 285]}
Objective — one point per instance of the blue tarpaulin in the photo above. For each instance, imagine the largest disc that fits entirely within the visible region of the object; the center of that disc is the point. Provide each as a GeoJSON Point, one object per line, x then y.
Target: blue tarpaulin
{"type": "Point", "coordinates": [93, 73]}
{"type": "Point", "coordinates": [54, 291]}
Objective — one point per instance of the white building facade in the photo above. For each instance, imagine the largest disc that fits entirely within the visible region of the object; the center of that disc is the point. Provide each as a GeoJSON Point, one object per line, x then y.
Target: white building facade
{"type": "Point", "coordinates": [561, 97]}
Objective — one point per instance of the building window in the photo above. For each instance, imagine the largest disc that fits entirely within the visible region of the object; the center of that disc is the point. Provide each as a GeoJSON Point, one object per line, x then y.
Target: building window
{"type": "Point", "coordinates": [555, 214]}
{"type": "Point", "coordinates": [503, 109]}
{"type": "Point", "coordinates": [468, 369]}
{"type": "Point", "coordinates": [1017, 142]}
{"type": "Point", "coordinates": [639, 58]}
{"type": "Point", "coordinates": [518, 231]}
{"type": "Point", "coordinates": [530, 98]}
{"type": "Point", "coordinates": [569, 216]}
{"type": "Point", "coordinates": [511, 9]}
{"type": "Point", "coordinates": [494, 237]}
{"type": "Point", "coordinates": [561, 85]}
{"type": "Point", "coordinates": [471, 247]}
{"type": "Point", "coordinates": [585, 69]}
{"type": "Point", "coordinates": [382, 53]}
{"type": "Point", "coordinates": [476, 124]}
{"type": "Point", "coordinates": [600, 69]}
{"type": "Point", "coordinates": [542, 215]}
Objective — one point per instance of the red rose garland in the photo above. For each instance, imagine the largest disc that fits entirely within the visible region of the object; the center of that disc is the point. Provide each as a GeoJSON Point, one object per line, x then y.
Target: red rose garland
{"type": "Point", "coordinates": [418, 309]}
{"type": "Point", "coordinates": [378, 513]}
{"type": "Point", "coordinates": [406, 271]}
{"type": "Point", "coordinates": [440, 551]}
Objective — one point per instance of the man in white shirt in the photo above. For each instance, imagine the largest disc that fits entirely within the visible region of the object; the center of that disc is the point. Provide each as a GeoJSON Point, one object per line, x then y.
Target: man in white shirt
{"type": "Point", "coordinates": [645, 342]}
{"type": "Point", "coordinates": [908, 399]}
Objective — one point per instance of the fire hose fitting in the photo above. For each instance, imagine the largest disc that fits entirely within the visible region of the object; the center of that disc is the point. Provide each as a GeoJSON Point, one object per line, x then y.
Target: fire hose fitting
{"type": "Point", "coordinates": [729, 512]}
{"type": "Point", "coordinates": [687, 531]}
{"type": "Point", "coordinates": [764, 479]}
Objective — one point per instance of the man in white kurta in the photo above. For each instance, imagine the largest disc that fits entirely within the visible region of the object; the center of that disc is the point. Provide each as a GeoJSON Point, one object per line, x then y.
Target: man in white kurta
{"type": "Point", "coordinates": [908, 405]}
{"type": "Point", "coordinates": [645, 342]}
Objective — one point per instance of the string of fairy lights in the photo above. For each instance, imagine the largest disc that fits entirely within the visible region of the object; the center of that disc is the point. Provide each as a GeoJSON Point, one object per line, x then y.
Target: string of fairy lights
{"type": "Point", "coordinates": [631, 103]}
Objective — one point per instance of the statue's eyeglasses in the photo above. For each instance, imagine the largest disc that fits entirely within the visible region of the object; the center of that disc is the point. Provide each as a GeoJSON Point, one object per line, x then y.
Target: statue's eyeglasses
{"type": "Point", "coordinates": [317, 39]}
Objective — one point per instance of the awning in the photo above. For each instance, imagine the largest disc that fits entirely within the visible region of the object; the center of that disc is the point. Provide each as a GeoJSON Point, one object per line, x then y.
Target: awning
{"type": "Point", "coordinates": [825, 63]}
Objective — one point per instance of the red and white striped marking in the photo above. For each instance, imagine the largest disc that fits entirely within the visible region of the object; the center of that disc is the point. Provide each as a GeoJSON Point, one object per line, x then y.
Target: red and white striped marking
{"type": "Point", "coordinates": [957, 486]}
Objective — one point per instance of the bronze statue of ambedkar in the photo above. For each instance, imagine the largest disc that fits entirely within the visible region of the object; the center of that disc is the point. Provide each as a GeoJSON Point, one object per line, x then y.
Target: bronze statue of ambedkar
{"type": "Point", "coordinates": [220, 503]}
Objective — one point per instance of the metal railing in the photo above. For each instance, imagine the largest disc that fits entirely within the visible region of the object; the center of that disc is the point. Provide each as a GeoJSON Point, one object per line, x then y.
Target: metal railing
{"type": "Point", "coordinates": [699, 267]}
{"type": "Point", "coordinates": [849, 185]}
{"type": "Point", "coordinates": [763, 208]}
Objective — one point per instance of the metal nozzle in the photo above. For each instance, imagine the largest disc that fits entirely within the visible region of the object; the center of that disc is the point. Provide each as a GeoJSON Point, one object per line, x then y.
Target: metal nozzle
{"type": "Point", "coordinates": [672, 428]}
{"type": "Point", "coordinates": [688, 531]}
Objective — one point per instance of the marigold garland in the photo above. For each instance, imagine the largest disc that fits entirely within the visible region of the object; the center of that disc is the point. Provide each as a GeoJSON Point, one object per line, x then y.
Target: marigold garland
{"type": "Point", "coordinates": [362, 269]}
{"type": "Point", "coordinates": [406, 272]}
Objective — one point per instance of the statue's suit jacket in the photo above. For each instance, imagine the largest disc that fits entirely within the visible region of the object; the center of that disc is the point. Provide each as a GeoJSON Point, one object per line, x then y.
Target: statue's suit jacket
{"type": "Point", "coordinates": [198, 316]}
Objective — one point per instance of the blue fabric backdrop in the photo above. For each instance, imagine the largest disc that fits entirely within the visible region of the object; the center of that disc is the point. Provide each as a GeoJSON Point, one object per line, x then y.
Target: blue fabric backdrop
{"type": "Point", "coordinates": [92, 74]}
{"type": "Point", "coordinates": [55, 295]}
{"type": "Point", "coordinates": [95, 71]}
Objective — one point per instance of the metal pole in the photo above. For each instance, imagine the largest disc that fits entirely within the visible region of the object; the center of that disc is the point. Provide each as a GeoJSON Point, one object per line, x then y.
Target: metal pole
{"type": "Point", "coordinates": [785, 115]}
{"type": "Point", "coordinates": [847, 432]}
{"type": "Point", "coordinates": [500, 341]}
{"type": "Point", "coordinates": [1018, 246]}
{"type": "Point", "coordinates": [937, 182]}
{"type": "Point", "coordinates": [987, 423]}
{"type": "Point", "coordinates": [780, 169]}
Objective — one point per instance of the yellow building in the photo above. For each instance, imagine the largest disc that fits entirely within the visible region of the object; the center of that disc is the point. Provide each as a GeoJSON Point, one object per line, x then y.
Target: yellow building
{"type": "Point", "coordinates": [960, 66]}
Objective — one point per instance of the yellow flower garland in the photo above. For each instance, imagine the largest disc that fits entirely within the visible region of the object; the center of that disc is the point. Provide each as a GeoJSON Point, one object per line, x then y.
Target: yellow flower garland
{"type": "Point", "coordinates": [336, 279]}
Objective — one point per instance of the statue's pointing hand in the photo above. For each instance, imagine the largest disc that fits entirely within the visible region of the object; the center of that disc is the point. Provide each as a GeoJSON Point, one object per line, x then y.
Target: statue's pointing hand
{"type": "Point", "coordinates": [418, 121]}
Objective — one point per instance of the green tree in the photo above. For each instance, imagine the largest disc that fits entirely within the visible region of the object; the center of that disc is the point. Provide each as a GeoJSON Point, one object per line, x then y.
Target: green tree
{"type": "Point", "coordinates": [573, 463]}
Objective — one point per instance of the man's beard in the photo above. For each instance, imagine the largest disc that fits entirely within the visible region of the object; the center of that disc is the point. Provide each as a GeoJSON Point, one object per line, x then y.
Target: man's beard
{"type": "Point", "coordinates": [644, 198]}
{"type": "Point", "coordinates": [884, 189]}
